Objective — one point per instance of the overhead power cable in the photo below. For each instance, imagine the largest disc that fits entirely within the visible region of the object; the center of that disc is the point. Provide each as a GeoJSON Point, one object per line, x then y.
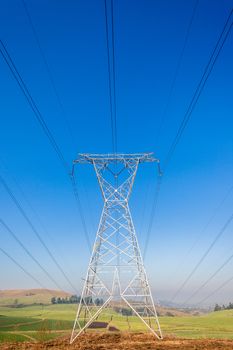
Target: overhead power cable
{"type": "Point", "coordinates": [76, 194]}
{"type": "Point", "coordinates": [114, 73]}
{"type": "Point", "coordinates": [111, 73]}
{"type": "Point", "coordinates": [25, 271]}
{"type": "Point", "coordinates": [217, 237]}
{"type": "Point", "coordinates": [182, 263]}
{"type": "Point", "coordinates": [152, 216]}
{"type": "Point", "coordinates": [39, 118]}
{"type": "Point", "coordinates": [29, 253]}
{"type": "Point", "coordinates": [158, 187]}
{"type": "Point", "coordinates": [180, 59]}
{"type": "Point", "coordinates": [22, 268]}
{"type": "Point", "coordinates": [23, 213]}
{"type": "Point", "coordinates": [61, 108]}
{"type": "Point", "coordinates": [48, 70]}
{"type": "Point", "coordinates": [144, 201]}
{"type": "Point", "coordinates": [209, 279]}
{"type": "Point", "coordinates": [207, 71]}
{"type": "Point", "coordinates": [29, 204]}
{"type": "Point", "coordinates": [32, 104]}
{"type": "Point", "coordinates": [224, 284]}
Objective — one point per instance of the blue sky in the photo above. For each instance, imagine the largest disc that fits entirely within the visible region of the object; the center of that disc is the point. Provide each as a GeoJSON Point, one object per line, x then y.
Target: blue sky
{"type": "Point", "coordinates": [149, 38]}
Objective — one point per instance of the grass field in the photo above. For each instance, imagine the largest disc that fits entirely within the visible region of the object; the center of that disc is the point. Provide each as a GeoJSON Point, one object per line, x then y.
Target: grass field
{"type": "Point", "coordinates": [48, 322]}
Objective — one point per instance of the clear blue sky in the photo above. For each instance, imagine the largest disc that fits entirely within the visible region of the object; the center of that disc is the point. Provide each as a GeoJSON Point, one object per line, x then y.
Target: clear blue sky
{"type": "Point", "coordinates": [149, 38]}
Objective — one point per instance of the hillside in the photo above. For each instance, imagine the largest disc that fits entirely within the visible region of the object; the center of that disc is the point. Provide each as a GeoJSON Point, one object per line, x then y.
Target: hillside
{"type": "Point", "coordinates": [41, 323]}
{"type": "Point", "coordinates": [14, 297]}
{"type": "Point", "coordinates": [29, 296]}
{"type": "Point", "coordinates": [43, 296]}
{"type": "Point", "coordinates": [176, 312]}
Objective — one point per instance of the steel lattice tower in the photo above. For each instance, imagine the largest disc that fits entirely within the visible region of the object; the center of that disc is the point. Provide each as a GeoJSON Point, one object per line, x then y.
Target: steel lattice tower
{"type": "Point", "coordinates": [116, 274]}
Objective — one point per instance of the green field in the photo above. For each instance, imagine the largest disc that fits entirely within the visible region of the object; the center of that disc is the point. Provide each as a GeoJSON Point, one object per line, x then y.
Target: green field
{"type": "Point", "coordinates": [47, 322]}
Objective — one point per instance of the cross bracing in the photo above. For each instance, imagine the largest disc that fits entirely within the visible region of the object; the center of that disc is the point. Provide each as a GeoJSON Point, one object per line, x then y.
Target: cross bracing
{"type": "Point", "coordinates": [116, 272]}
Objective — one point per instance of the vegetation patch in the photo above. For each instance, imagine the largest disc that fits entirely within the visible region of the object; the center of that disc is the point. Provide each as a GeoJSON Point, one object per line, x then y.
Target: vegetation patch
{"type": "Point", "coordinates": [54, 321]}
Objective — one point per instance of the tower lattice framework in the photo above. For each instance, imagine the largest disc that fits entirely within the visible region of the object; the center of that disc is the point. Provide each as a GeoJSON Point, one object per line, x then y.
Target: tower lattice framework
{"type": "Point", "coordinates": [116, 275]}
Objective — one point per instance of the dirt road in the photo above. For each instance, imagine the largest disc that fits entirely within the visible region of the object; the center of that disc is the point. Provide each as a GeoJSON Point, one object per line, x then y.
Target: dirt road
{"type": "Point", "coordinates": [122, 341]}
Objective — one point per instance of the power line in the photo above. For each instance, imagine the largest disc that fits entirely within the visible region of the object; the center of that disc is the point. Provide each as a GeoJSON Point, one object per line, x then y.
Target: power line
{"type": "Point", "coordinates": [29, 204]}
{"type": "Point", "coordinates": [39, 117]}
{"type": "Point", "coordinates": [209, 279]}
{"type": "Point", "coordinates": [61, 108]}
{"type": "Point", "coordinates": [28, 253]}
{"type": "Point", "coordinates": [216, 290]}
{"type": "Point", "coordinates": [89, 207]}
{"type": "Point", "coordinates": [111, 77]}
{"type": "Point", "coordinates": [48, 69]}
{"type": "Point", "coordinates": [182, 263]}
{"type": "Point", "coordinates": [159, 183]}
{"type": "Point", "coordinates": [32, 104]}
{"type": "Point", "coordinates": [144, 201]}
{"type": "Point", "coordinates": [171, 90]}
{"type": "Point", "coordinates": [22, 268]}
{"type": "Point", "coordinates": [152, 216]}
{"type": "Point", "coordinates": [76, 194]}
{"type": "Point", "coordinates": [23, 213]}
{"type": "Point", "coordinates": [207, 71]}
{"type": "Point", "coordinates": [114, 73]}
{"type": "Point", "coordinates": [217, 237]}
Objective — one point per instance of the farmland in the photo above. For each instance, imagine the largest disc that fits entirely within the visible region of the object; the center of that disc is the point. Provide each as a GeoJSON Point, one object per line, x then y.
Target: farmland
{"type": "Point", "coordinates": [29, 321]}
{"type": "Point", "coordinates": [44, 322]}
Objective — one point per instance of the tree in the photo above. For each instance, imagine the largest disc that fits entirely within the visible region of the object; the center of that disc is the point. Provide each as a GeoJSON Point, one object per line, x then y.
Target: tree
{"type": "Point", "coordinates": [73, 299]}
{"type": "Point", "coordinates": [126, 312]}
{"type": "Point", "coordinates": [53, 300]}
{"type": "Point", "coordinates": [88, 300]}
{"type": "Point", "coordinates": [97, 301]}
{"type": "Point", "coordinates": [217, 307]}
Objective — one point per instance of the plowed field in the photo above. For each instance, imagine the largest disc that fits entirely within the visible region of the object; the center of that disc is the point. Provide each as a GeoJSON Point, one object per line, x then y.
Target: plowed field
{"type": "Point", "coordinates": [122, 341]}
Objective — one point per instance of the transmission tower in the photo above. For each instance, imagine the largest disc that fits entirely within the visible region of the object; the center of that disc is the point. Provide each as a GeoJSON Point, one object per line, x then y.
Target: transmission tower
{"type": "Point", "coordinates": [116, 276]}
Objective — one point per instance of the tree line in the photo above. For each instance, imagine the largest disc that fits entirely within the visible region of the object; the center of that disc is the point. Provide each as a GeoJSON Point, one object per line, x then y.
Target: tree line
{"type": "Point", "coordinates": [223, 307]}
{"type": "Point", "coordinates": [75, 299]}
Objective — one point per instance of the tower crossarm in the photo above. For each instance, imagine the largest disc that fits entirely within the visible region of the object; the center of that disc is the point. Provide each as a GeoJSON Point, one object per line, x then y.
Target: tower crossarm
{"type": "Point", "coordinates": [116, 172]}
{"type": "Point", "coordinates": [112, 157]}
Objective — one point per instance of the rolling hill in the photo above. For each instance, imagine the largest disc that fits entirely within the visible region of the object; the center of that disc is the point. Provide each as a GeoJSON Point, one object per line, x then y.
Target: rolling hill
{"type": "Point", "coordinates": [29, 296]}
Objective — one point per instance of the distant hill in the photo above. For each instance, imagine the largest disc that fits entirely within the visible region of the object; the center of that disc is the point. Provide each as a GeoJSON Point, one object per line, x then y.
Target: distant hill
{"type": "Point", "coordinates": [29, 296]}
{"type": "Point", "coordinates": [20, 297]}
{"type": "Point", "coordinates": [173, 311]}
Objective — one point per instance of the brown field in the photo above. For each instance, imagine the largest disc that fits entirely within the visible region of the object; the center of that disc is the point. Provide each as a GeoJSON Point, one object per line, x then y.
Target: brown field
{"type": "Point", "coordinates": [30, 296]}
{"type": "Point", "coordinates": [122, 341]}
